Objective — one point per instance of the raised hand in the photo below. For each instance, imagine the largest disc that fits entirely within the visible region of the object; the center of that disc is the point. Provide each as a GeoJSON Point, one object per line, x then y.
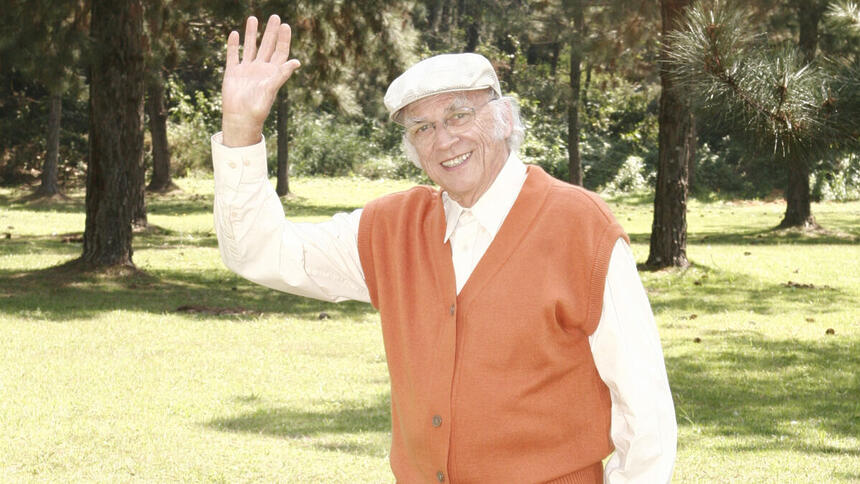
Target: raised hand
{"type": "Point", "coordinates": [250, 86]}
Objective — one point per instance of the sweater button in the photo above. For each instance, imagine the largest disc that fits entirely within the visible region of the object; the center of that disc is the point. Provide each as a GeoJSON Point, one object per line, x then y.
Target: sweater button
{"type": "Point", "coordinates": [440, 476]}
{"type": "Point", "coordinates": [437, 421]}
{"type": "Point", "coordinates": [452, 310]}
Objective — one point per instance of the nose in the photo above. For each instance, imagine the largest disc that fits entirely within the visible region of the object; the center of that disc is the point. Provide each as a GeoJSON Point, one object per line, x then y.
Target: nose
{"type": "Point", "coordinates": [444, 138]}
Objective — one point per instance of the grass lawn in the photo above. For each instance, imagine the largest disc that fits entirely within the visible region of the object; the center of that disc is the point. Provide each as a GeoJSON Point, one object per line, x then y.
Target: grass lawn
{"type": "Point", "coordinates": [187, 373]}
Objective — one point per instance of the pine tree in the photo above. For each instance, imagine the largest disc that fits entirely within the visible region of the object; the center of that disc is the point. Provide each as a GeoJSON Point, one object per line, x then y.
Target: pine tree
{"type": "Point", "coordinates": [771, 99]}
{"type": "Point", "coordinates": [677, 146]}
{"type": "Point", "coordinates": [115, 169]}
{"type": "Point", "coordinates": [44, 42]}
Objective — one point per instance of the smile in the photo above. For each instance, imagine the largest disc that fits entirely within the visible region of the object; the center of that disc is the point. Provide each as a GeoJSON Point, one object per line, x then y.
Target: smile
{"type": "Point", "coordinates": [454, 162]}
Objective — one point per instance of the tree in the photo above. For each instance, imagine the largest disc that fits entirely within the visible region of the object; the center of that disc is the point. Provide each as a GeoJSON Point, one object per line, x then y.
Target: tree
{"type": "Point", "coordinates": [161, 43]}
{"type": "Point", "coordinates": [576, 41]}
{"type": "Point", "coordinates": [283, 114]}
{"type": "Point", "coordinates": [677, 145]}
{"type": "Point", "coordinates": [373, 44]}
{"type": "Point", "coordinates": [46, 46]}
{"type": "Point", "coordinates": [579, 36]}
{"type": "Point", "coordinates": [774, 99]}
{"type": "Point", "coordinates": [156, 109]}
{"type": "Point", "coordinates": [116, 132]}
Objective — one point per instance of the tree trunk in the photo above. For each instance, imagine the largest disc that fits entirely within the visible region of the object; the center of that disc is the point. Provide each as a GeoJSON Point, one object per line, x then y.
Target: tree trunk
{"type": "Point", "coordinates": [116, 132]}
{"type": "Point", "coordinates": [283, 100]}
{"type": "Point", "coordinates": [677, 145]}
{"type": "Point", "coordinates": [50, 185]}
{"type": "Point", "coordinates": [157, 111]}
{"type": "Point", "coordinates": [573, 158]}
{"type": "Point", "coordinates": [138, 207]}
{"type": "Point", "coordinates": [554, 54]}
{"type": "Point", "coordinates": [586, 87]}
{"type": "Point", "coordinates": [472, 16]}
{"type": "Point", "coordinates": [798, 209]}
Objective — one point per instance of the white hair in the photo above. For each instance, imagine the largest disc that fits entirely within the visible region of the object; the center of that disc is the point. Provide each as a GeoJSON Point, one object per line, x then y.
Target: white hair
{"type": "Point", "coordinates": [500, 124]}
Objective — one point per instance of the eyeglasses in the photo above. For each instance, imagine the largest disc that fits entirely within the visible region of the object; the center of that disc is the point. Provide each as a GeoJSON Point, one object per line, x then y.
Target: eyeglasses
{"type": "Point", "coordinates": [455, 122]}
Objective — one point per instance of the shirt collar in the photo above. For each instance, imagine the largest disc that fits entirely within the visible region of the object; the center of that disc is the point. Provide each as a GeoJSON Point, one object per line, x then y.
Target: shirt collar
{"type": "Point", "coordinates": [491, 209]}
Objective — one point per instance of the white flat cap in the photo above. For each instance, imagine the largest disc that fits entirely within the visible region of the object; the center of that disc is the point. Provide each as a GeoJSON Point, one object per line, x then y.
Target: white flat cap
{"type": "Point", "coordinates": [440, 74]}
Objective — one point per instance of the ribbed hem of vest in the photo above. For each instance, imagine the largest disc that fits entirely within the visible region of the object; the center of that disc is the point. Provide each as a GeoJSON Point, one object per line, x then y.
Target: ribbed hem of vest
{"type": "Point", "coordinates": [592, 474]}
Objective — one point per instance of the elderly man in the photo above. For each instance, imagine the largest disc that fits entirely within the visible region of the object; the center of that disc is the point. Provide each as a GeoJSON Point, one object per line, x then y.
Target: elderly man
{"type": "Point", "coordinates": [520, 343]}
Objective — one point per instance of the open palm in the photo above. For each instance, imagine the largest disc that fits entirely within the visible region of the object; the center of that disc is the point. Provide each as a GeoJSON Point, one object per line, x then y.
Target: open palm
{"type": "Point", "coordinates": [250, 86]}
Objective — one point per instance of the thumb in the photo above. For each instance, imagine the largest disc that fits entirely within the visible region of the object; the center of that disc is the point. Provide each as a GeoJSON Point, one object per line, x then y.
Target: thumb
{"type": "Point", "coordinates": [286, 69]}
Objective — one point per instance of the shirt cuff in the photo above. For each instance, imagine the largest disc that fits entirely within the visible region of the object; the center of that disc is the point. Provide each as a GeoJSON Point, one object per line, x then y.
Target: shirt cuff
{"type": "Point", "coordinates": [240, 164]}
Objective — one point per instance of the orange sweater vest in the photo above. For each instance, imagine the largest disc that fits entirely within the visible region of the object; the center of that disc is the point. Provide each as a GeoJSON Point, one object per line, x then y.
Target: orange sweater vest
{"type": "Point", "coordinates": [496, 384]}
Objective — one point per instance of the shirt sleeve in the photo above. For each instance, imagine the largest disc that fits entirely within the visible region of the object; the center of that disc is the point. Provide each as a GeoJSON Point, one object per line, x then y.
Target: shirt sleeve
{"type": "Point", "coordinates": [257, 242]}
{"type": "Point", "coordinates": [629, 358]}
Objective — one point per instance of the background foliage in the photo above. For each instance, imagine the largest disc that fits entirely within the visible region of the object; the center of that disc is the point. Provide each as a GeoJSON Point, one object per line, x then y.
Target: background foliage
{"type": "Point", "coordinates": [338, 126]}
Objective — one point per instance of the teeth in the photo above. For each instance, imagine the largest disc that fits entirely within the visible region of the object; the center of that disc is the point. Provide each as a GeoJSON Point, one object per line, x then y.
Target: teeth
{"type": "Point", "coordinates": [455, 161]}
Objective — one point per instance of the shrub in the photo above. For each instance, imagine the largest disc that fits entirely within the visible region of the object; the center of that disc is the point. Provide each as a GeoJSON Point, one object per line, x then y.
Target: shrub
{"type": "Point", "coordinates": [192, 120]}
{"type": "Point", "coordinates": [629, 178]}
{"type": "Point", "coordinates": [839, 180]}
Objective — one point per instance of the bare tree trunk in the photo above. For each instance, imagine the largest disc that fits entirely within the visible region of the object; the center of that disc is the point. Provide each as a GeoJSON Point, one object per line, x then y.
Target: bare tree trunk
{"type": "Point", "coordinates": [472, 15]}
{"type": "Point", "coordinates": [283, 100]}
{"type": "Point", "coordinates": [157, 111]}
{"type": "Point", "coordinates": [554, 55]}
{"type": "Point", "coordinates": [116, 132]}
{"type": "Point", "coordinates": [573, 158]}
{"type": "Point", "coordinates": [586, 87]}
{"type": "Point", "coordinates": [677, 145]}
{"type": "Point", "coordinates": [50, 186]}
{"type": "Point", "coordinates": [798, 210]}
{"type": "Point", "coordinates": [138, 202]}
{"type": "Point", "coordinates": [436, 15]}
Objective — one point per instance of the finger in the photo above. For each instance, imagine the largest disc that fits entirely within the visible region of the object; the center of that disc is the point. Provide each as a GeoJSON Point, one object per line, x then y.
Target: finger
{"type": "Point", "coordinates": [270, 37]}
{"type": "Point", "coordinates": [282, 50]}
{"type": "Point", "coordinates": [249, 50]}
{"type": "Point", "coordinates": [287, 69]}
{"type": "Point", "coordinates": [232, 49]}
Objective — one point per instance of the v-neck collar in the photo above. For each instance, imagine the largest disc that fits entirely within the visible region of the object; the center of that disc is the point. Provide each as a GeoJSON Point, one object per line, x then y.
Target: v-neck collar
{"type": "Point", "coordinates": [494, 205]}
{"type": "Point", "coordinates": [515, 226]}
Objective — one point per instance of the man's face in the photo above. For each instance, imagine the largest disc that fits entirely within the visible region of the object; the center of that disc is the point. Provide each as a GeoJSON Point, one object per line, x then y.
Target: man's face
{"type": "Point", "coordinates": [457, 147]}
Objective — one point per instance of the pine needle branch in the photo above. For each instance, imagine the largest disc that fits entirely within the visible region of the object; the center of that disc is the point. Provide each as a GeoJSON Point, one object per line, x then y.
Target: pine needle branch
{"type": "Point", "coordinates": [770, 98]}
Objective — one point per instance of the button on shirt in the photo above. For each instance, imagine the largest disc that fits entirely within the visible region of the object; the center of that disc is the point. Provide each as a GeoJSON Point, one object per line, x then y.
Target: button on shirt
{"type": "Point", "coordinates": [321, 261]}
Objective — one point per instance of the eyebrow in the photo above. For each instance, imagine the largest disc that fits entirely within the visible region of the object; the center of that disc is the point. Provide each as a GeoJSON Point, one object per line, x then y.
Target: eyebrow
{"type": "Point", "coordinates": [460, 101]}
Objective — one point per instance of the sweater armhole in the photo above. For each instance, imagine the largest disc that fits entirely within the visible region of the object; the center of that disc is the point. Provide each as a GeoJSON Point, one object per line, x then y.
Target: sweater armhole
{"type": "Point", "coordinates": [597, 283]}
{"type": "Point", "coordinates": [365, 251]}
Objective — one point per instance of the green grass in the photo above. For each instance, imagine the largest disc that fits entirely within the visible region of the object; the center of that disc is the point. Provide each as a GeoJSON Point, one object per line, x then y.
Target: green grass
{"type": "Point", "coordinates": [110, 379]}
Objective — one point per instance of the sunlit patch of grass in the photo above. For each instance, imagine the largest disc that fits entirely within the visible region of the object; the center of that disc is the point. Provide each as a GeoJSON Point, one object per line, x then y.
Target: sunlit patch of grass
{"type": "Point", "coordinates": [184, 372]}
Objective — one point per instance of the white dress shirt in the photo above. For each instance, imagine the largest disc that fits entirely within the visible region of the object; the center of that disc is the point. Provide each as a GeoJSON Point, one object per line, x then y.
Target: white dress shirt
{"type": "Point", "coordinates": [321, 261]}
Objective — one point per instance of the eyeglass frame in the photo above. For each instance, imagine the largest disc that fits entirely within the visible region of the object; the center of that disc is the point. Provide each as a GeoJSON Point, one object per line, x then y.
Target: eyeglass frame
{"type": "Point", "coordinates": [471, 111]}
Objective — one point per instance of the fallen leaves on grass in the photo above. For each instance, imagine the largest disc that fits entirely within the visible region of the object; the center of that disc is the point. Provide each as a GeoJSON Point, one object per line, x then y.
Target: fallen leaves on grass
{"type": "Point", "coordinates": [197, 309]}
{"type": "Point", "coordinates": [801, 285]}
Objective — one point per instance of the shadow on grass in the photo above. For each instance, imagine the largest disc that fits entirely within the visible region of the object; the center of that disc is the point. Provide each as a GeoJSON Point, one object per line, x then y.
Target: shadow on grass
{"type": "Point", "coordinates": [297, 209]}
{"type": "Point", "coordinates": [178, 204]}
{"type": "Point", "coordinates": [779, 390]}
{"type": "Point", "coordinates": [645, 199]}
{"type": "Point", "coordinates": [56, 295]}
{"type": "Point", "coordinates": [73, 203]}
{"type": "Point", "coordinates": [155, 238]}
{"type": "Point", "coordinates": [770, 236]}
{"type": "Point", "coordinates": [712, 291]}
{"type": "Point", "coordinates": [286, 422]}
{"type": "Point", "coordinates": [171, 203]}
